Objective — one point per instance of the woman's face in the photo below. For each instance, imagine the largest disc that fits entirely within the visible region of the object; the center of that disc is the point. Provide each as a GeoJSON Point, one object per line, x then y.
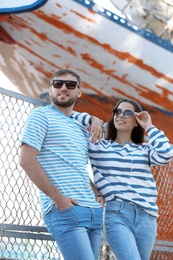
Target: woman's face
{"type": "Point", "coordinates": [123, 118]}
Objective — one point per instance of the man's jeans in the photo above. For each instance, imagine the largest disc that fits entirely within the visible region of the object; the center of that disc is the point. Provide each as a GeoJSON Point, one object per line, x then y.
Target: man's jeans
{"type": "Point", "coordinates": [77, 231]}
{"type": "Point", "coordinates": [129, 230]}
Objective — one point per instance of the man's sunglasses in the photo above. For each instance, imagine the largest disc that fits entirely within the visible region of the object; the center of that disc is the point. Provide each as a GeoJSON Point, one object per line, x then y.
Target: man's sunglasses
{"type": "Point", "coordinates": [126, 113]}
{"type": "Point", "coordinates": [70, 84]}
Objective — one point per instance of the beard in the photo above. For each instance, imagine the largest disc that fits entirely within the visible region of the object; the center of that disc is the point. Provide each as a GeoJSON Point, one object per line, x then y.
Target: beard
{"type": "Point", "coordinates": [67, 103]}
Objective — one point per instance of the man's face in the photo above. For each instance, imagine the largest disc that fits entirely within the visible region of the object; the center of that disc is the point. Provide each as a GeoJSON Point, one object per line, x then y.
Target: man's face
{"type": "Point", "coordinates": [61, 92]}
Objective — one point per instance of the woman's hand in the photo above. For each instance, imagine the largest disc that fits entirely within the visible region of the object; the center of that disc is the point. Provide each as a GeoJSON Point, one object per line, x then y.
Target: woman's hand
{"type": "Point", "coordinates": [101, 200]}
{"type": "Point", "coordinates": [144, 119]}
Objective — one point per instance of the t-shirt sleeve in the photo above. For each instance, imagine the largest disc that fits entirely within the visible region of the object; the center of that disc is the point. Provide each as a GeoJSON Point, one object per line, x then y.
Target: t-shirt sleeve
{"type": "Point", "coordinates": [35, 129]}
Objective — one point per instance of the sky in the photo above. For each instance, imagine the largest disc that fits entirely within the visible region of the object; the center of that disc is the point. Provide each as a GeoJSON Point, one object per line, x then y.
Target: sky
{"type": "Point", "coordinates": [7, 84]}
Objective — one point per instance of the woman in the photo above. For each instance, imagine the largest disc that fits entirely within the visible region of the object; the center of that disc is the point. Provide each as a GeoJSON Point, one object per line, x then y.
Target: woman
{"type": "Point", "coordinates": [121, 165]}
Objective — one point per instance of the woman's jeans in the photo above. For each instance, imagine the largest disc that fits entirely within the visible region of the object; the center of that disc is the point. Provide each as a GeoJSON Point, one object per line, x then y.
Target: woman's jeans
{"type": "Point", "coordinates": [77, 231]}
{"type": "Point", "coordinates": [129, 230]}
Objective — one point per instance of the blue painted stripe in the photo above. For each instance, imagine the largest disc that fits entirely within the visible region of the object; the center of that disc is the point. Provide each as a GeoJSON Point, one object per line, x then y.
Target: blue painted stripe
{"type": "Point", "coordinates": [23, 8]}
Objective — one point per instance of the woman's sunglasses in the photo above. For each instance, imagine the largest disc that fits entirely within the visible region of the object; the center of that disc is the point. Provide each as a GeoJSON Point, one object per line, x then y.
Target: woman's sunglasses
{"type": "Point", "coordinates": [126, 113]}
{"type": "Point", "coordinates": [70, 84]}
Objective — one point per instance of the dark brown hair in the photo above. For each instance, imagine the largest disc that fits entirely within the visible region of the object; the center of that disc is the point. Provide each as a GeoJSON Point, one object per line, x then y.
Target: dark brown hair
{"type": "Point", "coordinates": [66, 72]}
{"type": "Point", "coordinates": [137, 134]}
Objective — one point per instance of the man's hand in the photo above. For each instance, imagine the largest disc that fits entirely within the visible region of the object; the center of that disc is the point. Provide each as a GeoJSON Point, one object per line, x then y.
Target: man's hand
{"type": "Point", "coordinates": [64, 202]}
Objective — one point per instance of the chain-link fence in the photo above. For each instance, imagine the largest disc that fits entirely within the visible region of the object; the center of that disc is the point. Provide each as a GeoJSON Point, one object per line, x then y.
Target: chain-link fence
{"type": "Point", "coordinates": [23, 235]}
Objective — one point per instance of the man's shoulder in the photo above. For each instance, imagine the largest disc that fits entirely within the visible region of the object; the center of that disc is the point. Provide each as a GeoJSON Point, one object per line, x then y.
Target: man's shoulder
{"type": "Point", "coordinates": [39, 113]}
{"type": "Point", "coordinates": [44, 108]}
{"type": "Point", "coordinates": [41, 109]}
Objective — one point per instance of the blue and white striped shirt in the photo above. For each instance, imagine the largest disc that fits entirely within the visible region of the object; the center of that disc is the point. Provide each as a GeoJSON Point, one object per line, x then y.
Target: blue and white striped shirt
{"type": "Point", "coordinates": [62, 143]}
{"type": "Point", "coordinates": [125, 171]}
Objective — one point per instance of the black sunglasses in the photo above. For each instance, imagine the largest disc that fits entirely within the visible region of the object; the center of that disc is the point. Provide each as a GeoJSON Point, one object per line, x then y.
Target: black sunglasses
{"type": "Point", "coordinates": [70, 84]}
{"type": "Point", "coordinates": [126, 113]}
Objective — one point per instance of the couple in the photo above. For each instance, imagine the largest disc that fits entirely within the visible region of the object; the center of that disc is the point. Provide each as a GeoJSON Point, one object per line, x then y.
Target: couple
{"type": "Point", "coordinates": [54, 154]}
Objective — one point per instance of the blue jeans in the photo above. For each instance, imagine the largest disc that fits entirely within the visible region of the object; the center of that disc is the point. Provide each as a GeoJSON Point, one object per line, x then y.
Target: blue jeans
{"type": "Point", "coordinates": [77, 231]}
{"type": "Point", "coordinates": [129, 230]}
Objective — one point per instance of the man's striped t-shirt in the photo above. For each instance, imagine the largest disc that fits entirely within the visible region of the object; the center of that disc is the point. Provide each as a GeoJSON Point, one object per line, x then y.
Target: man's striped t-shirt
{"type": "Point", "coordinates": [62, 145]}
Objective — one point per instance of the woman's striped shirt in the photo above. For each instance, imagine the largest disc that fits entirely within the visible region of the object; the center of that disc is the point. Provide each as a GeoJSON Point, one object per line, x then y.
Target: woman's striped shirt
{"type": "Point", "coordinates": [124, 171]}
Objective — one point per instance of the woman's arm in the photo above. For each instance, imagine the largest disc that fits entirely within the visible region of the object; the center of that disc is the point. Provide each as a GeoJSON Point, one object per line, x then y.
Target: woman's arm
{"type": "Point", "coordinates": [94, 124]}
{"type": "Point", "coordinates": [160, 150]}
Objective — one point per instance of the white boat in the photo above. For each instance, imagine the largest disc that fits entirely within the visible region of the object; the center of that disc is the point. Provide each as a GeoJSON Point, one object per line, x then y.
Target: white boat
{"type": "Point", "coordinates": [113, 58]}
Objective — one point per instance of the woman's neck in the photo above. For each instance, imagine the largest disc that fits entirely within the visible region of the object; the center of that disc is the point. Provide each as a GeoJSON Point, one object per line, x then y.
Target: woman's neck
{"type": "Point", "coordinates": [123, 138]}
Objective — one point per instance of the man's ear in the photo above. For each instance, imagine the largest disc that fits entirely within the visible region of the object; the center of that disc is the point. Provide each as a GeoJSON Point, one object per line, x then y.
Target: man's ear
{"type": "Point", "coordinates": [79, 93]}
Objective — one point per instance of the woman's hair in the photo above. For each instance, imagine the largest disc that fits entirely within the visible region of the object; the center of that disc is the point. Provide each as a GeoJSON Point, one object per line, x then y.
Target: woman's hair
{"type": "Point", "coordinates": [137, 134]}
{"type": "Point", "coordinates": [66, 72]}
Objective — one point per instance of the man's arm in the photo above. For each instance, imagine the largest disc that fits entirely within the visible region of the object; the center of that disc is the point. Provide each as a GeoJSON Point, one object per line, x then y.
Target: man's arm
{"type": "Point", "coordinates": [98, 195]}
{"type": "Point", "coordinates": [30, 164]}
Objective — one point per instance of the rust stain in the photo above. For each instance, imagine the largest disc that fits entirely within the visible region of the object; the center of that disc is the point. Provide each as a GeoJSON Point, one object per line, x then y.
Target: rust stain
{"type": "Point", "coordinates": [165, 91]}
{"type": "Point", "coordinates": [122, 93]}
{"type": "Point", "coordinates": [42, 36]}
{"type": "Point", "coordinates": [5, 37]}
{"type": "Point", "coordinates": [92, 62]}
{"type": "Point", "coordinates": [157, 98]}
{"type": "Point", "coordinates": [58, 5]}
{"type": "Point", "coordinates": [154, 96]}
{"type": "Point", "coordinates": [83, 17]}
{"type": "Point", "coordinates": [66, 28]}
{"type": "Point", "coordinates": [56, 56]}
{"type": "Point", "coordinates": [4, 17]}
{"type": "Point", "coordinates": [28, 43]}
{"type": "Point", "coordinates": [137, 62]}
{"type": "Point", "coordinates": [17, 23]}
{"type": "Point", "coordinates": [86, 85]}
{"type": "Point", "coordinates": [37, 55]}
{"type": "Point", "coordinates": [91, 11]}
{"type": "Point", "coordinates": [52, 20]}
{"type": "Point", "coordinates": [111, 73]}
{"type": "Point", "coordinates": [99, 66]}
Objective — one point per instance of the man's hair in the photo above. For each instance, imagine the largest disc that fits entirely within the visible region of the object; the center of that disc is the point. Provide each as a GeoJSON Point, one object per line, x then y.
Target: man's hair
{"type": "Point", "coordinates": [137, 134]}
{"type": "Point", "coordinates": [66, 72]}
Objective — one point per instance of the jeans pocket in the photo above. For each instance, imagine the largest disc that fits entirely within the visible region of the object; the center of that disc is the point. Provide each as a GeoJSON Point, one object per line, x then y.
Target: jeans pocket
{"type": "Point", "coordinates": [65, 210]}
{"type": "Point", "coordinates": [114, 206]}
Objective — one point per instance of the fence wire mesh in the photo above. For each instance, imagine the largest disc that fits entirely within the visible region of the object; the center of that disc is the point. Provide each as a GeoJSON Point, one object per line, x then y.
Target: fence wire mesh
{"type": "Point", "coordinates": [23, 235]}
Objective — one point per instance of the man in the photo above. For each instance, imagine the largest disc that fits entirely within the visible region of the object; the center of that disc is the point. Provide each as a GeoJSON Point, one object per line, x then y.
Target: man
{"type": "Point", "coordinates": [54, 154]}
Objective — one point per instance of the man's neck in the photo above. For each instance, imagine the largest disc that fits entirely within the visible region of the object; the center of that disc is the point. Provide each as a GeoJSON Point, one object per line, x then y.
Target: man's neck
{"type": "Point", "coordinates": [65, 110]}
